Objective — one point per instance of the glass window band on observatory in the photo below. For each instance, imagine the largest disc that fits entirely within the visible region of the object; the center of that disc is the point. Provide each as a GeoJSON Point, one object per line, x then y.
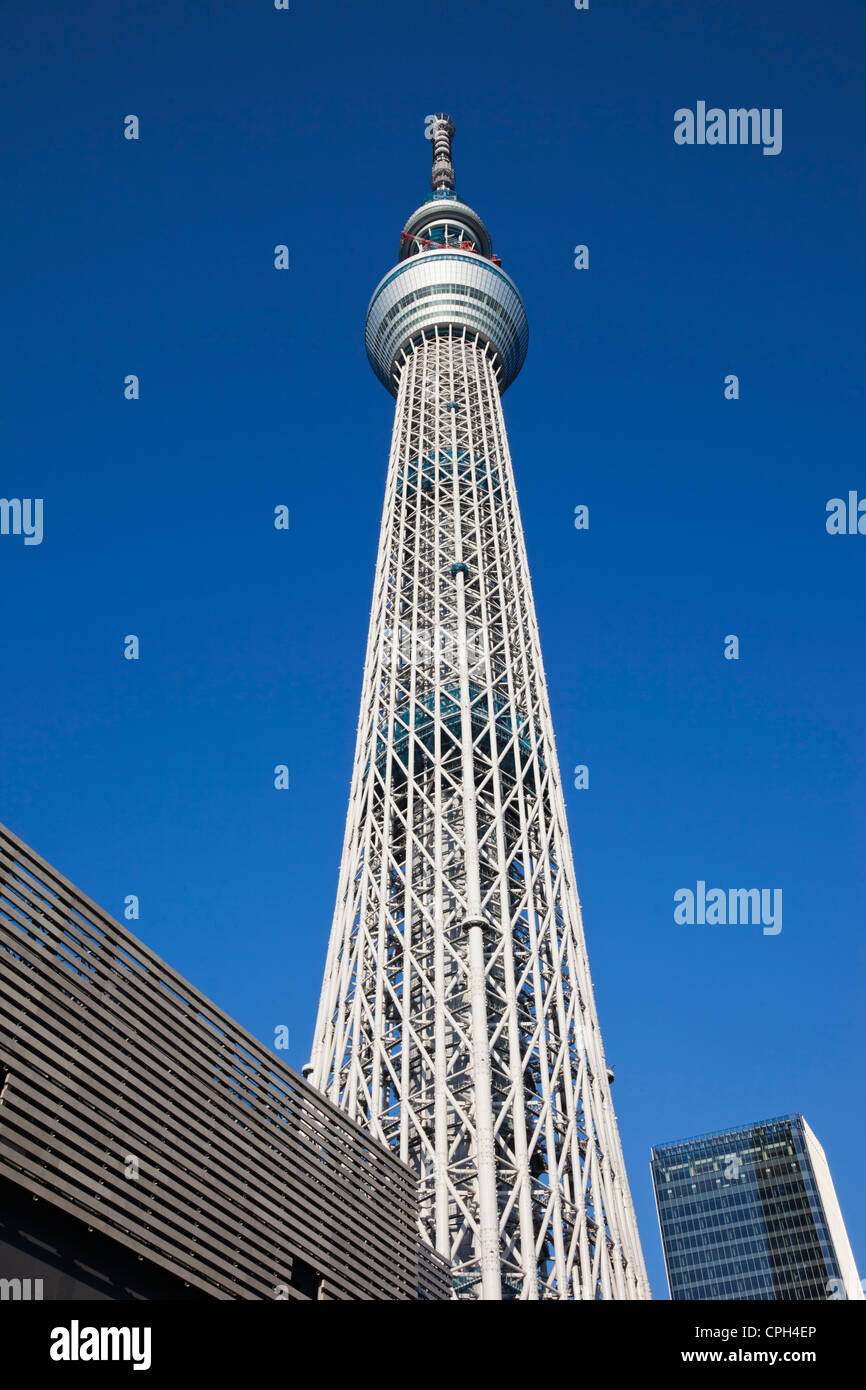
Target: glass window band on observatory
{"type": "Point", "coordinates": [741, 1215]}
{"type": "Point", "coordinates": [469, 292]}
{"type": "Point", "coordinates": [448, 291]}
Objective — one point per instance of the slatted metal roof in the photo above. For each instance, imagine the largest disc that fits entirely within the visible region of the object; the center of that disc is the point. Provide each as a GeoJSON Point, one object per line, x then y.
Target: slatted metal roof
{"type": "Point", "coordinates": [130, 1101]}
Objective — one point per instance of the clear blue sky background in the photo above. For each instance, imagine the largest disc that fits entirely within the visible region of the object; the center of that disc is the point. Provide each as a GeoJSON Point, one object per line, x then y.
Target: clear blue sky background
{"type": "Point", "coordinates": [707, 516]}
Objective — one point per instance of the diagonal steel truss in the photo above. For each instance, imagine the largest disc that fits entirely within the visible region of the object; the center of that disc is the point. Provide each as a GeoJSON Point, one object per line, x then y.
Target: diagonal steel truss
{"type": "Point", "coordinates": [457, 1018]}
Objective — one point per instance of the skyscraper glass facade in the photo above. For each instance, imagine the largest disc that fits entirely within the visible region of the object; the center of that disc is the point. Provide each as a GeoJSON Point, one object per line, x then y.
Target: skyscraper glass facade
{"type": "Point", "coordinates": [742, 1215]}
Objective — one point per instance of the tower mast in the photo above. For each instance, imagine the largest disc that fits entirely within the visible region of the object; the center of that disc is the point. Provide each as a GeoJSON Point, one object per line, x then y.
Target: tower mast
{"type": "Point", "coordinates": [457, 1018]}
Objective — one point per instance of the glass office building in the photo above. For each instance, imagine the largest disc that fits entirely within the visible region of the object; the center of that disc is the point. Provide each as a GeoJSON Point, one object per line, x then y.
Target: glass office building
{"type": "Point", "coordinates": [751, 1213]}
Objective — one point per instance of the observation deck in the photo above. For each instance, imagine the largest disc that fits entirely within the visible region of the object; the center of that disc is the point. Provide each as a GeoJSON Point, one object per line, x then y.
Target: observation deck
{"type": "Point", "coordinates": [447, 276]}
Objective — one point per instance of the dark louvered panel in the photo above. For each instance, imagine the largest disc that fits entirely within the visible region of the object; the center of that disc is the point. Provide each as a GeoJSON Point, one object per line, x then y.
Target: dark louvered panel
{"type": "Point", "coordinates": [133, 1103]}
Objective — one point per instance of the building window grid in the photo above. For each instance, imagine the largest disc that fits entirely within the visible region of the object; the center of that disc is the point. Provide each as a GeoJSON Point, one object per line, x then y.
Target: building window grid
{"type": "Point", "coordinates": [709, 1257]}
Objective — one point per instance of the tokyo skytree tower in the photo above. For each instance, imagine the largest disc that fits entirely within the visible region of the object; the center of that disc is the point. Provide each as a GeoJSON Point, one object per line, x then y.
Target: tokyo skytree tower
{"type": "Point", "coordinates": [457, 1019]}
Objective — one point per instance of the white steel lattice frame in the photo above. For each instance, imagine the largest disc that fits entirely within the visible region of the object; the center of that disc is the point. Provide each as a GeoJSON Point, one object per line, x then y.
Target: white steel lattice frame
{"type": "Point", "coordinates": [457, 1018]}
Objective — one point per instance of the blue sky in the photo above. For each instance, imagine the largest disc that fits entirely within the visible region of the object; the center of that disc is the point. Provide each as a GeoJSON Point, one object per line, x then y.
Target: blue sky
{"type": "Point", "coordinates": [707, 516]}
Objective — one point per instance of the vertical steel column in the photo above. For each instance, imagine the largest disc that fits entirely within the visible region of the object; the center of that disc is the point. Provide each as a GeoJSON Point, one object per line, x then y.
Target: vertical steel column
{"type": "Point", "coordinates": [474, 923]}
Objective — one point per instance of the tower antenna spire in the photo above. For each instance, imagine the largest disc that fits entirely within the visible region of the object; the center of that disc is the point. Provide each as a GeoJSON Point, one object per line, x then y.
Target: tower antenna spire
{"type": "Point", "coordinates": [442, 133]}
